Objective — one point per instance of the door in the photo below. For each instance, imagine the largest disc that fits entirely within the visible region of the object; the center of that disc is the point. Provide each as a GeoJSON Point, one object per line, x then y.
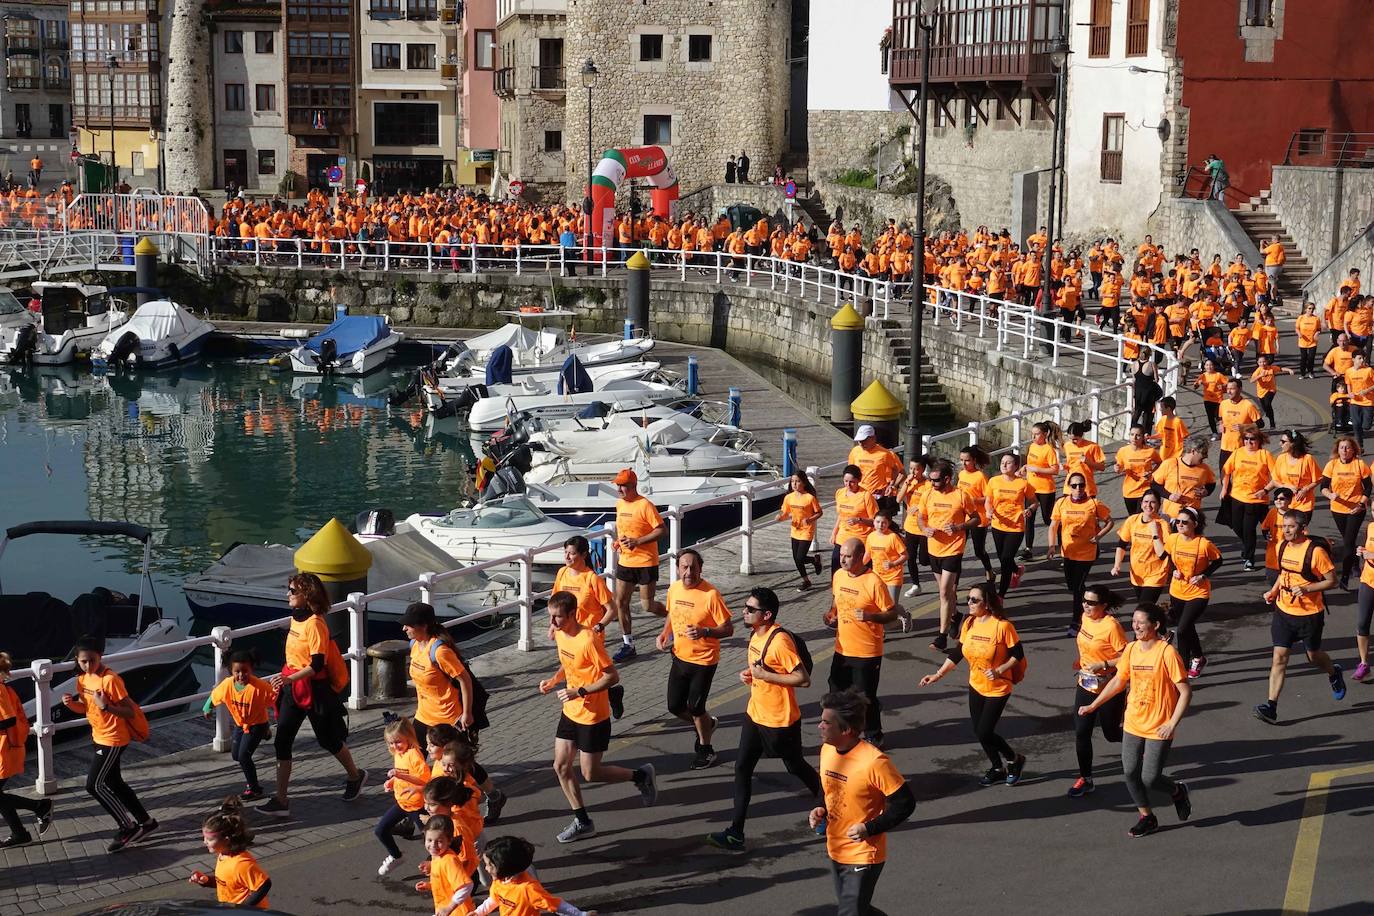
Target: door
{"type": "Point", "coordinates": [236, 167]}
{"type": "Point", "coordinates": [317, 170]}
{"type": "Point", "coordinates": [57, 124]}
{"type": "Point", "coordinates": [22, 126]}
{"type": "Point", "coordinates": [550, 73]}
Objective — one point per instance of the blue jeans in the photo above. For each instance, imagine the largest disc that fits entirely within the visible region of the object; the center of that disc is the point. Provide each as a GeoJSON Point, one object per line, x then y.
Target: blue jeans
{"type": "Point", "coordinates": [389, 821]}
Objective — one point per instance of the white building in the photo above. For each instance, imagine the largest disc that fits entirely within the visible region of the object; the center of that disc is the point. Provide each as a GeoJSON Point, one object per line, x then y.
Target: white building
{"type": "Point", "coordinates": [251, 143]}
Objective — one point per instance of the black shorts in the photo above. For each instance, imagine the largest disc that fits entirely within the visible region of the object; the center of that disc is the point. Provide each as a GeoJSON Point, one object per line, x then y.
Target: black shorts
{"type": "Point", "coordinates": [689, 685]}
{"type": "Point", "coordinates": [1286, 629]}
{"type": "Point", "coordinates": [637, 575]}
{"type": "Point", "coordinates": [954, 564]}
{"type": "Point", "coordinates": [589, 739]}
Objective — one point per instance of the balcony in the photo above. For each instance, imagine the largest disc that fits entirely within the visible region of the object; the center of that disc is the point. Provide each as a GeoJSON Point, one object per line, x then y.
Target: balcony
{"type": "Point", "coordinates": [17, 83]}
{"type": "Point", "coordinates": [547, 79]}
{"type": "Point", "coordinates": [1006, 41]}
{"type": "Point", "coordinates": [503, 82]}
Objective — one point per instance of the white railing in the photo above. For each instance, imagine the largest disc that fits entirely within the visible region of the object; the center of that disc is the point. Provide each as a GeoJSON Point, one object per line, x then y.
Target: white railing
{"type": "Point", "coordinates": [26, 253]}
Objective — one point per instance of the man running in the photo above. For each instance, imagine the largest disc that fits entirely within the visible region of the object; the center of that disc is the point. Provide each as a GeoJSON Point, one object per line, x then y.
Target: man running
{"type": "Point", "coordinates": [880, 466]}
{"type": "Point", "coordinates": [865, 797]}
{"type": "Point", "coordinates": [595, 605]}
{"type": "Point", "coordinates": [638, 526]}
{"type": "Point", "coordinates": [584, 728]}
{"type": "Point", "coordinates": [772, 721]}
{"type": "Point", "coordinates": [1305, 571]}
{"type": "Point", "coordinates": [944, 517]}
{"type": "Point", "coordinates": [860, 607]}
{"type": "Point", "coordinates": [697, 621]}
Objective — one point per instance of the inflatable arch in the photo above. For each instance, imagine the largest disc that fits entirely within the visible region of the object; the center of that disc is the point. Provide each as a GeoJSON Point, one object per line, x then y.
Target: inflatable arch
{"type": "Point", "coordinates": [618, 164]}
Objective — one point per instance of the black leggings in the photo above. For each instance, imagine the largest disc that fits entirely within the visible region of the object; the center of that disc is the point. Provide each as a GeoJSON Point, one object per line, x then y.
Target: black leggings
{"type": "Point", "coordinates": [326, 715]}
{"type": "Point", "coordinates": [1245, 519]}
{"type": "Point", "coordinates": [1183, 617]}
{"type": "Point", "coordinates": [1046, 501]}
{"type": "Point", "coordinates": [1213, 411]}
{"type": "Point", "coordinates": [245, 743]}
{"type": "Point", "coordinates": [1076, 578]}
{"type": "Point", "coordinates": [106, 785]}
{"type": "Point", "coordinates": [756, 741]}
{"type": "Point", "coordinates": [389, 821]}
{"type": "Point", "coordinates": [10, 805]}
{"type": "Point", "coordinates": [917, 555]}
{"type": "Point", "coordinates": [979, 537]}
{"type": "Point", "coordinates": [1307, 360]}
{"type": "Point", "coordinates": [1148, 594]}
{"type": "Point", "coordinates": [1108, 717]}
{"type": "Point", "coordinates": [1348, 524]}
{"type": "Point", "coordinates": [801, 553]}
{"type": "Point", "coordinates": [862, 673]}
{"type": "Point", "coordinates": [984, 713]}
{"type": "Point", "coordinates": [1006, 543]}
{"type": "Point", "coordinates": [1366, 605]}
{"type": "Point", "coordinates": [1267, 405]}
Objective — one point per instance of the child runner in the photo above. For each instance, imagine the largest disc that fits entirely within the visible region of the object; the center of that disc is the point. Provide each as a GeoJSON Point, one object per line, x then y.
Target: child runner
{"type": "Point", "coordinates": [887, 551]}
{"type": "Point", "coordinates": [803, 509]}
{"type": "Point", "coordinates": [238, 879]}
{"type": "Point", "coordinates": [14, 731]}
{"type": "Point", "coordinates": [406, 781]}
{"type": "Point", "coordinates": [451, 864]}
{"type": "Point", "coordinates": [247, 698]}
{"type": "Point", "coordinates": [516, 892]}
{"type": "Point", "coordinates": [1170, 431]}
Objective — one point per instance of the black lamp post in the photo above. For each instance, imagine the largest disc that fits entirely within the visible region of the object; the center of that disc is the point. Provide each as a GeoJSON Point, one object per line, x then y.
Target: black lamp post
{"type": "Point", "coordinates": [929, 8]}
{"type": "Point", "coordinates": [589, 76]}
{"type": "Point", "coordinates": [1059, 56]}
{"type": "Point", "coordinates": [112, 63]}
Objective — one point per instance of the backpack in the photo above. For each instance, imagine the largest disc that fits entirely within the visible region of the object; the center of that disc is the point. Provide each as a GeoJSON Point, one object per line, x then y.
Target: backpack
{"type": "Point", "coordinates": [1317, 541]}
{"type": "Point", "coordinates": [479, 693]}
{"type": "Point", "coordinates": [803, 653]}
{"type": "Point", "coordinates": [138, 724]}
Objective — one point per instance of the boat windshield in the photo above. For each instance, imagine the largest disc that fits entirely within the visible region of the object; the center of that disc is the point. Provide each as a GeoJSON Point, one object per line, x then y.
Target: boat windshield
{"type": "Point", "coordinates": [9, 304]}
{"type": "Point", "coordinates": [511, 512]}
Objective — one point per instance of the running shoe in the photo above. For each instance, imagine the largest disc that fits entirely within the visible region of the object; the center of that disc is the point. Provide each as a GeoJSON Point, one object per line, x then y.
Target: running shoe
{"type": "Point", "coordinates": [121, 839]}
{"type": "Point", "coordinates": [142, 830]}
{"type": "Point", "coordinates": [1014, 769]}
{"type": "Point", "coordinates": [1145, 826]}
{"type": "Point", "coordinates": [617, 697]}
{"type": "Point", "coordinates": [911, 591]}
{"type": "Point", "coordinates": [1016, 576]}
{"type": "Point", "coordinates": [44, 816]}
{"type": "Point", "coordinates": [705, 757]}
{"type": "Point", "coordinates": [993, 776]}
{"type": "Point", "coordinates": [15, 841]}
{"type": "Point", "coordinates": [940, 643]}
{"type": "Point", "coordinates": [575, 831]}
{"type": "Point", "coordinates": [496, 801]}
{"type": "Point", "coordinates": [275, 808]}
{"type": "Point", "coordinates": [1195, 667]}
{"type": "Point", "coordinates": [1023, 554]}
{"type": "Point", "coordinates": [252, 794]}
{"type": "Point", "coordinates": [816, 561]}
{"type": "Point", "coordinates": [906, 622]}
{"type": "Point", "coordinates": [389, 865]}
{"type": "Point", "coordinates": [1345, 583]}
{"type": "Point", "coordinates": [726, 839]}
{"type": "Point", "coordinates": [1267, 712]}
{"type": "Point", "coordinates": [1337, 683]}
{"type": "Point", "coordinates": [1361, 672]}
{"type": "Point", "coordinates": [805, 586]}
{"type": "Point", "coordinates": [955, 620]}
{"type": "Point", "coordinates": [624, 653]}
{"type": "Point", "coordinates": [647, 787]}
{"type": "Point", "coordinates": [354, 787]}
{"type": "Point", "coordinates": [1249, 565]}
{"type": "Point", "coordinates": [1081, 786]}
{"type": "Point", "coordinates": [1183, 803]}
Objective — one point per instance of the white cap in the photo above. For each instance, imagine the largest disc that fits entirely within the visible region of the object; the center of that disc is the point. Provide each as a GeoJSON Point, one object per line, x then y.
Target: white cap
{"type": "Point", "coordinates": [864, 432]}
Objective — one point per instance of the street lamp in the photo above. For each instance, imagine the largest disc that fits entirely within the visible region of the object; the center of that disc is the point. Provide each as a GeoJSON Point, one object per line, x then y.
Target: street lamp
{"type": "Point", "coordinates": [1134, 69]}
{"type": "Point", "coordinates": [1059, 57]}
{"type": "Point", "coordinates": [589, 76]}
{"type": "Point", "coordinates": [929, 8]}
{"type": "Point", "coordinates": [112, 63]}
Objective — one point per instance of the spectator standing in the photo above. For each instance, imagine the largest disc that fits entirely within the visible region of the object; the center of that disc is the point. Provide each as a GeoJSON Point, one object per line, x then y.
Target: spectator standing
{"type": "Point", "coordinates": [731, 170]}
{"type": "Point", "coordinates": [742, 168]}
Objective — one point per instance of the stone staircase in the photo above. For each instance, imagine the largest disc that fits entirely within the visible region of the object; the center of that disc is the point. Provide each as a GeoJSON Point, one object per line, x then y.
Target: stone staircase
{"type": "Point", "coordinates": [937, 414]}
{"type": "Point", "coordinates": [1258, 220]}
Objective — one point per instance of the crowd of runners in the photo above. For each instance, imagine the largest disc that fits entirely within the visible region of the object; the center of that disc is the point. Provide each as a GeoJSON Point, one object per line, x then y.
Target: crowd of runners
{"type": "Point", "coordinates": [899, 527]}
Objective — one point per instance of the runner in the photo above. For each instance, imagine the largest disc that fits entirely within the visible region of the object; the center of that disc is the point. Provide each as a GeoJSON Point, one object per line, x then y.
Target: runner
{"type": "Point", "coordinates": [1265, 378]}
{"type": "Point", "coordinates": [1346, 484]}
{"type": "Point", "coordinates": [1297, 470]}
{"type": "Point", "coordinates": [1042, 466]}
{"type": "Point", "coordinates": [1138, 534]}
{"type": "Point", "coordinates": [912, 491]}
{"type": "Point", "coordinates": [1212, 384]}
{"type": "Point", "coordinates": [515, 891]}
{"type": "Point", "coordinates": [14, 732]}
{"type": "Point", "coordinates": [860, 607]}
{"type": "Point", "coordinates": [854, 511]}
{"type": "Point", "coordinates": [996, 660]}
{"type": "Point", "coordinates": [1079, 523]}
{"type": "Point", "coordinates": [1082, 455]}
{"type": "Point", "coordinates": [596, 606]}
{"type": "Point", "coordinates": [945, 515]}
{"type": "Point", "coordinates": [1194, 559]}
{"type": "Point", "coordinates": [247, 697]}
{"type": "Point", "coordinates": [1160, 694]}
{"type": "Point", "coordinates": [1305, 572]}
{"type": "Point", "coordinates": [879, 465]}
{"type": "Point", "coordinates": [638, 526]}
{"type": "Point", "coordinates": [238, 879]}
{"type": "Point", "coordinates": [584, 727]}
{"type": "Point", "coordinates": [1365, 603]}
{"type": "Point", "coordinates": [865, 797]}
{"type": "Point", "coordinates": [406, 782]}
{"type": "Point", "coordinates": [1359, 381]}
{"type": "Point", "coordinates": [1183, 481]}
{"type": "Point", "coordinates": [772, 721]}
{"type": "Point", "coordinates": [1100, 643]}
{"type": "Point", "coordinates": [451, 864]}
{"type": "Point", "coordinates": [1272, 528]}
{"type": "Point", "coordinates": [1245, 481]}
{"type": "Point", "coordinates": [697, 621]}
{"type": "Point", "coordinates": [443, 685]}
{"type": "Point", "coordinates": [886, 551]}
{"type": "Point", "coordinates": [104, 701]}
{"type": "Point", "coordinates": [803, 509]}
{"type": "Point", "coordinates": [1170, 431]}
{"type": "Point", "coordinates": [1136, 462]}
{"type": "Point", "coordinates": [1233, 413]}
{"type": "Point", "coordinates": [1010, 502]}
{"type": "Point", "coordinates": [973, 481]}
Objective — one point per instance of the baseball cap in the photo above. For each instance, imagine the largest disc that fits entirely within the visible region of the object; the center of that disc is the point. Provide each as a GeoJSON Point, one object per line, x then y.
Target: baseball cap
{"type": "Point", "coordinates": [625, 478]}
{"type": "Point", "coordinates": [864, 432]}
{"type": "Point", "coordinates": [418, 614]}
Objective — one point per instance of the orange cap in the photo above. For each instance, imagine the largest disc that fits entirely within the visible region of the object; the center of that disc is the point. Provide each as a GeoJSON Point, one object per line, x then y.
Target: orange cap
{"type": "Point", "coordinates": [625, 478]}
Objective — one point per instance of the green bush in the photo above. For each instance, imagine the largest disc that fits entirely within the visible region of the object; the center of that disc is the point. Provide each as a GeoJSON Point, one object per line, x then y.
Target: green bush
{"type": "Point", "coordinates": [595, 294]}
{"type": "Point", "coordinates": [405, 287]}
{"type": "Point", "coordinates": [440, 291]}
{"type": "Point", "coordinates": [857, 178]}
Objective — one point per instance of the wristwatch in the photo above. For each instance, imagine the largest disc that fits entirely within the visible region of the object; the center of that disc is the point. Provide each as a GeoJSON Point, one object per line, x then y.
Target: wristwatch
{"type": "Point", "coordinates": [582, 692]}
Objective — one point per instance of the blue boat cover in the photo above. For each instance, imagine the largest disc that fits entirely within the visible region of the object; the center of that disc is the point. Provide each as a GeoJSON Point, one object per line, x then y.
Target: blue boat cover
{"type": "Point", "coordinates": [594, 411]}
{"type": "Point", "coordinates": [352, 333]}
{"type": "Point", "coordinates": [572, 378]}
{"type": "Point", "coordinates": [499, 365]}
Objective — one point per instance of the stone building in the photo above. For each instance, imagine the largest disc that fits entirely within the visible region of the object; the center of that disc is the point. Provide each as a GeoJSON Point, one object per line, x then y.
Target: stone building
{"type": "Point", "coordinates": [251, 146]}
{"type": "Point", "coordinates": [532, 83]}
{"type": "Point", "coordinates": [35, 86]}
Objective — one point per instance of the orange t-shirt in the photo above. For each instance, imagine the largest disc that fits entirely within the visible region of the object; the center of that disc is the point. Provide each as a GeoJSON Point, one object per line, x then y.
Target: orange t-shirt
{"type": "Point", "coordinates": [1078, 525]}
{"type": "Point", "coordinates": [853, 595]}
{"type": "Point", "coordinates": [1356, 382]}
{"type": "Point", "coordinates": [1099, 641]}
{"type": "Point", "coordinates": [1137, 537]}
{"type": "Point", "coordinates": [1307, 327]}
{"type": "Point", "coordinates": [523, 895]}
{"type": "Point", "coordinates": [913, 494]}
{"type": "Point", "coordinates": [584, 661]}
{"type": "Point", "coordinates": [856, 785]}
{"type": "Point", "coordinates": [975, 484]}
{"type": "Point", "coordinates": [449, 873]}
{"type": "Point", "coordinates": [1347, 483]}
{"type": "Point", "coordinates": [773, 705]}
{"type": "Point", "coordinates": [1212, 385]}
{"type": "Point", "coordinates": [635, 518]}
{"type": "Point", "coordinates": [107, 729]}
{"type": "Point", "coordinates": [1009, 498]}
{"type": "Point", "coordinates": [411, 762]}
{"type": "Point", "coordinates": [1175, 476]}
{"type": "Point", "coordinates": [880, 467]}
{"type": "Point", "coordinates": [883, 549]}
{"type": "Point", "coordinates": [439, 702]}
{"type": "Point", "coordinates": [1296, 473]}
{"type": "Point", "coordinates": [1153, 676]}
{"type": "Point", "coordinates": [237, 876]}
{"type": "Point", "coordinates": [1290, 561]}
{"type": "Point", "coordinates": [800, 507]}
{"type": "Point", "coordinates": [1250, 474]}
{"type": "Point", "coordinates": [1233, 415]}
{"type": "Point", "coordinates": [952, 507]}
{"type": "Point", "coordinates": [986, 643]}
{"type": "Point", "coordinates": [592, 593]}
{"type": "Point", "coordinates": [247, 707]}
{"type": "Point", "coordinates": [699, 606]}
{"type": "Point", "coordinates": [1190, 557]}
{"type": "Point", "coordinates": [1136, 465]}
{"type": "Point", "coordinates": [1042, 456]}
{"type": "Point", "coordinates": [1367, 564]}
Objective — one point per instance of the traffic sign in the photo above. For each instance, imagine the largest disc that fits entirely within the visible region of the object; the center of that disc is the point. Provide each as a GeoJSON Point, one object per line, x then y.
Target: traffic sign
{"type": "Point", "coordinates": [335, 174]}
{"type": "Point", "coordinates": [76, 155]}
{"type": "Point", "coordinates": [517, 187]}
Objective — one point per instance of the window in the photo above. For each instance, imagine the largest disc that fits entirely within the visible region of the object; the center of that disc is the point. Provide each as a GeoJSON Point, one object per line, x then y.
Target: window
{"type": "Point", "coordinates": [422, 9]}
{"type": "Point", "coordinates": [264, 42]}
{"type": "Point", "coordinates": [405, 124]}
{"type": "Point", "coordinates": [553, 141]}
{"type": "Point", "coordinates": [267, 162]}
{"type": "Point", "coordinates": [384, 9]}
{"type": "Point", "coordinates": [233, 96]}
{"type": "Point", "coordinates": [650, 47]}
{"type": "Point", "coordinates": [55, 75]}
{"type": "Point", "coordinates": [698, 48]}
{"type": "Point", "coordinates": [484, 45]}
{"type": "Point", "coordinates": [233, 41]}
{"type": "Point", "coordinates": [386, 56]}
{"type": "Point", "coordinates": [265, 97]}
{"type": "Point", "coordinates": [1138, 28]}
{"type": "Point", "coordinates": [1100, 29]}
{"type": "Point", "coordinates": [1312, 141]}
{"type": "Point", "coordinates": [1113, 133]}
{"type": "Point", "coordinates": [419, 57]}
{"type": "Point", "coordinates": [1259, 12]}
{"type": "Point", "coordinates": [658, 130]}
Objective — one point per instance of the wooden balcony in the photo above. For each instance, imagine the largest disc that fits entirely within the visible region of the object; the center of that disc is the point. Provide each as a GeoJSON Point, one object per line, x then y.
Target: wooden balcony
{"type": "Point", "coordinates": [981, 41]}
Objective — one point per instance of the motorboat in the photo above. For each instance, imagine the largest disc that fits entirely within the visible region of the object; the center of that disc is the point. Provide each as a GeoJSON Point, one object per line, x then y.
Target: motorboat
{"type": "Point", "coordinates": [666, 448]}
{"type": "Point", "coordinates": [160, 334]}
{"type": "Point", "coordinates": [72, 318]}
{"type": "Point", "coordinates": [541, 382]}
{"type": "Point", "coordinates": [40, 625]}
{"type": "Point", "coordinates": [350, 345]}
{"type": "Point", "coordinates": [538, 348]}
{"type": "Point", "coordinates": [597, 424]}
{"type": "Point", "coordinates": [489, 414]}
{"type": "Point", "coordinates": [494, 529]}
{"type": "Point", "coordinates": [247, 585]}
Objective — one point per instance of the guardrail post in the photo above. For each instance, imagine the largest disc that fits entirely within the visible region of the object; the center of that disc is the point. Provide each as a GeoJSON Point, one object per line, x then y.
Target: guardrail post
{"type": "Point", "coordinates": [1026, 337]}
{"type": "Point", "coordinates": [343, 255]}
{"type": "Point", "coordinates": [746, 530]}
{"type": "Point", "coordinates": [562, 261]}
{"type": "Point", "coordinates": [386, 254]}
{"type": "Point", "coordinates": [1054, 335]}
{"type": "Point", "coordinates": [224, 638]}
{"type": "Point", "coordinates": [518, 259]}
{"type": "Point", "coordinates": [674, 540]}
{"type": "Point", "coordinates": [958, 312]}
{"type": "Point", "coordinates": [611, 555]}
{"type": "Point", "coordinates": [720, 268]}
{"type": "Point", "coordinates": [357, 638]}
{"type": "Point", "coordinates": [1057, 410]}
{"type": "Point", "coordinates": [473, 260]}
{"type": "Point", "coordinates": [46, 784]}
{"type": "Point", "coordinates": [1087, 352]}
{"type": "Point", "coordinates": [973, 432]}
{"type": "Point", "coordinates": [736, 407]}
{"type": "Point", "coordinates": [427, 587]}
{"type": "Point", "coordinates": [1016, 432]}
{"type": "Point", "coordinates": [982, 315]}
{"type": "Point", "coordinates": [789, 452]}
{"type": "Point", "coordinates": [1120, 358]}
{"type": "Point", "coordinates": [682, 267]}
{"type": "Point", "coordinates": [526, 598]}
{"type": "Point", "coordinates": [1095, 408]}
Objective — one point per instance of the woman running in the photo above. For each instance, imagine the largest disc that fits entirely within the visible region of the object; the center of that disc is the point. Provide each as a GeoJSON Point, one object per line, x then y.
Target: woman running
{"type": "Point", "coordinates": [910, 494]}
{"type": "Point", "coordinates": [1195, 559]}
{"type": "Point", "coordinates": [1246, 479]}
{"type": "Point", "coordinates": [1042, 466]}
{"type": "Point", "coordinates": [1185, 479]}
{"type": "Point", "coordinates": [803, 508]}
{"type": "Point", "coordinates": [14, 731]}
{"type": "Point", "coordinates": [1136, 462]}
{"type": "Point", "coordinates": [1212, 384]}
{"type": "Point", "coordinates": [1345, 482]}
{"type": "Point", "coordinates": [1307, 326]}
{"type": "Point", "coordinates": [1010, 502]}
{"type": "Point", "coordinates": [1138, 534]}
{"type": "Point", "coordinates": [1297, 470]}
{"type": "Point", "coordinates": [1079, 522]}
{"type": "Point", "coordinates": [1100, 643]}
{"type": "Point", "coordinates": [974, 482]}
{"type": "Point", "coordinates": [443, 685]}
{"type": "Point", "coordinates": [1160, 693]}
{"type": "Point", "coordinates": [1365, 602]}
{"type": "Point", "coordinates": [1082, 455]}
{"type": "Point", "coordinates": [988, 642]}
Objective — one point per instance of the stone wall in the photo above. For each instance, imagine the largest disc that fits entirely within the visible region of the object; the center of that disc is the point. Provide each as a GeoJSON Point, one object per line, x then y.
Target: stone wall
{"type": "Point", "coordinates": [979, 164]}
{"type": "Point", "coordinates": [872, 209]}
{"type": "Point", "coordinates": [187, 146]}
{"type": "Point", "coordinates": [714, 198]}
{"type": "Point", "coordinates": [840, 140]}
{"type": "Point", "coordinates": [1184, 223]}
{"type": "Point", "coordinates": [1323, 209]}
{"type": "Point", "coordinates": [526, 115]}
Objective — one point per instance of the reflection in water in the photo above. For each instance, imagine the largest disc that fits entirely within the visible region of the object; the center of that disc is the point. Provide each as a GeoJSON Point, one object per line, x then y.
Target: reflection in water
{"type": "Point", "coordinates": [207, 457]}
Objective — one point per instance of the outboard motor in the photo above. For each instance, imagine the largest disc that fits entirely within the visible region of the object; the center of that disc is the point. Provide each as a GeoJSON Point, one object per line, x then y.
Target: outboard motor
{"type": "Point", "coordinates": [404, 395]}
{"type": "Point", "coordinates": [329, 355]}
{"type": "Point", "coordinates": [127, 345]}
{"type": "Point", "coordinates": [375, 523]}
{"type": "Point", "coordinates": [25, 345]}
{"type": "Point", "coordinates": [510, 478]}
{"type": "Point", "coordinates": [469, 396]}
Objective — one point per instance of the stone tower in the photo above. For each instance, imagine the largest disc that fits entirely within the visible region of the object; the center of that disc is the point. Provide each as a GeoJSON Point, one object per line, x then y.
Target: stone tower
{"type": "Point", "coordinates": [186, 147]}
{"type": "Point", "coordinates": [710, 77]}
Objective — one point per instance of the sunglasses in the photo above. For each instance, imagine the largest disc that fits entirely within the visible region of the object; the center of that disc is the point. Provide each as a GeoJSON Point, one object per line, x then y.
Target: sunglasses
{"type": "Point", "coordinates": [752, 609]}
{"type": "Point", "coordinates": [1078, 486]}
{"type": "Point", "coordinates": [1093, 602]}
{"type": "Point", "coordinates": [974, 599]}
{"type": "Point", "coordinates": [1185, 521]}
{"type": "Point", "coordinates": [1252, 438]}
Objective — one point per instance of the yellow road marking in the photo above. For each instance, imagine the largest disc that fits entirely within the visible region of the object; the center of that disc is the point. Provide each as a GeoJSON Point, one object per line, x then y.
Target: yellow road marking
{"type": "Point", "coordinates": [1302, 874]}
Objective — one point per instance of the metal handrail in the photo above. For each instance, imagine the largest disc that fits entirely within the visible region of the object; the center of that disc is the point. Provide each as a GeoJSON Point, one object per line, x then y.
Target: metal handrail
{"type": "Point", "coordinates": [1348, 149]}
